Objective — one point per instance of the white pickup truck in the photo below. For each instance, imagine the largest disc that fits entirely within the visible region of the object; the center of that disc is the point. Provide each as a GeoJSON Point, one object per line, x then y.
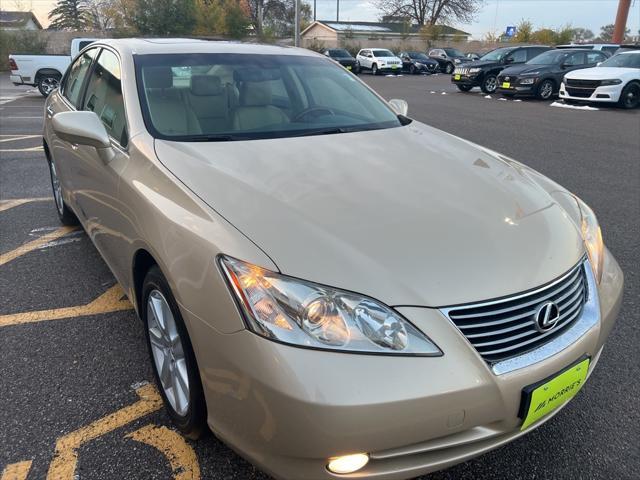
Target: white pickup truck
{"type": "Point", "coordinates": [44, 71]}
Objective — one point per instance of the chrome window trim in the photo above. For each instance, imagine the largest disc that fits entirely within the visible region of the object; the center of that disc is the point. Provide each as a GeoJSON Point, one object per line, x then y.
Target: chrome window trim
{"type": "Point", "coordinates": [589, 318]}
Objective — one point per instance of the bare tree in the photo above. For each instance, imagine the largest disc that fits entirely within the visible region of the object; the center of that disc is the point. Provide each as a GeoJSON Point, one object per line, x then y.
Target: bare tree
{"type": "Point", "coordinates": [431, 12]}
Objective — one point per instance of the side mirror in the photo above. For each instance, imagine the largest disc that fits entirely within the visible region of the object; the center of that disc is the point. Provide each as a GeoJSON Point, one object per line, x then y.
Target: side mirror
{"type": "Point", "coordinates": [83, 128]}
{"type": "Point", "coordinates": [508, 60]}
{"type": "Point", "coordinates": [401, 107]}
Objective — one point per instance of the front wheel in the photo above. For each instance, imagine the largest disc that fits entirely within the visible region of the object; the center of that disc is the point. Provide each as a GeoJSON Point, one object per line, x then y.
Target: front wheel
{"type": "Point", "coordinates": [545, 90]}
{"type": "Point", "coordinates": [489, 84]}
{"type": "Point", "coordinates": [374, 69]}
{"type": "Point", "coordinates": [48, 83]}
{"type": "Point", "coordinates": [412, 69]}
{"type": "Point", "coordinates": [174, 363]}
{"type": "Point", "coordinates": [464, 88]}
{"type": "Point", "coordinates": [630, 96]}
{"type": "Point", "coordinates": [448, 69]}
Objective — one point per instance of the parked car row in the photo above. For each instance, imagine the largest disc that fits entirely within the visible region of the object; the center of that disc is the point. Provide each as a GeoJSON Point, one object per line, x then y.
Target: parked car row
{"type": "Point", "coordinates": [382, 60]}
{"type": "Point", "coordinates": [575, 74]}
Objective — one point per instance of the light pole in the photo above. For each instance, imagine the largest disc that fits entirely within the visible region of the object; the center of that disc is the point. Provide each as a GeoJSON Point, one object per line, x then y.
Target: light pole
{"type": "Point", "coordinates": [296, 26]}
{"type": "Point", "coordinates": [337, 10]}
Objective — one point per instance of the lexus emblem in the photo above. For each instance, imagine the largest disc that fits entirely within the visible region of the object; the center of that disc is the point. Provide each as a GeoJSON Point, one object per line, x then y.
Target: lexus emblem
{"type": "Point", "coordinates": [547, 316]}
{"type": "Point", "coordinates": [506, 78]}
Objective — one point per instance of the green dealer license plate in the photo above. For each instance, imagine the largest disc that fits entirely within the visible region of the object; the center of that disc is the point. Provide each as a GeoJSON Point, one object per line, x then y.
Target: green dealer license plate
{"type": "Point", "coordinates": [542, 398]}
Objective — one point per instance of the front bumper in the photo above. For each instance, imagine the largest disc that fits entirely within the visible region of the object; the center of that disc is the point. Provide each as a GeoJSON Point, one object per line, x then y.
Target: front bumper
{"type": "Point", "coordinates": [289, 409]}
{"type": "Point", "coordinates": [473, 80]}
{"type": "Point", "coordinates": [609, 93]}
{"type": "Point", "coordinates": [516, 88]}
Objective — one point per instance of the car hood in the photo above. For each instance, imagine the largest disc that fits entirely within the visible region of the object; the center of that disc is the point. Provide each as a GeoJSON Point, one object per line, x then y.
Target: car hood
{"type": "Point", "coordinates": [481, 64]}
{"type": "Point", "coordinates": [387, 59]}
{"type": "Point", "coordinates": [602, 73]}
{"type": "Point", "coordinates": [408, 215]}
{"type": "Point", "coordinates": [521, 69]}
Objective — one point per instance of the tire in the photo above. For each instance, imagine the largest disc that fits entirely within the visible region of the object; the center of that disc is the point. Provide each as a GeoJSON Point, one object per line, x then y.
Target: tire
{"type": "Point", "coordinates": [449, 68]}
{"type": "Point", "coordinates": [630, 96]}
{"type": "Point", "coordinates": [47, 83]}
{"type": "Point", "coordinates": [412, 69]}
{"type": "Point", "coordinates": [374, 69]}
{"type": "Point", "coordinates": [179, 383]}
{"type": "Point", "coordinates": [65, 215]}
{"type": "Point", "coordinates": [545, 90]}
{"type": "Point", "coordinates": [464, 88]}
{"type": "Point", "coordinates": [489, 84]}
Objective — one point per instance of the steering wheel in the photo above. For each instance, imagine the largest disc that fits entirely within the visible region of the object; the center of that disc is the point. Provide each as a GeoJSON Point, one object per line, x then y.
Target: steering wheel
{"type": "Point", "coordinates": [315, 109]}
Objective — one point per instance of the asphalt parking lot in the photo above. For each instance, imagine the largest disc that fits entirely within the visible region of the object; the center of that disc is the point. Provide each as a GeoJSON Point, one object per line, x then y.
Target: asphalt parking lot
{"type": "Point", "coordinates": [75, 391]}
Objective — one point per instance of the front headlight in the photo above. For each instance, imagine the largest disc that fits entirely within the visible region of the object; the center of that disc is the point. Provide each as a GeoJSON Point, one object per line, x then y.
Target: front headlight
{"type": "Point", "coordinates": [527, 81]}
{"type": "Point", "coordinates": [613, 81]}
{"type": "Point", "coordinates": [592, 236]}
{"type": "Point", "coordinates": [474, 70]}
{"type": "Point", "coordinates": [306, 314]}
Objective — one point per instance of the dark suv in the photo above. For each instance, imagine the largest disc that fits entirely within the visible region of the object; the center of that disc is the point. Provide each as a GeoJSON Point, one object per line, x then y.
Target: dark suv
{"type": "Point", "coordinates": [483, 73]}
{"type": "Point", "coordinates": [344, 58]}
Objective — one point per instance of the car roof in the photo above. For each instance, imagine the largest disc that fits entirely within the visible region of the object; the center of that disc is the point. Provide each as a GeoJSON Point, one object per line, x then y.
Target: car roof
{"type": "Point", "coordinates": [145, 46]}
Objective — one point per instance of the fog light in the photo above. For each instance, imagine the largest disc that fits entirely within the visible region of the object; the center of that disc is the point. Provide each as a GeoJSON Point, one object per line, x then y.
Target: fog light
{"type": "Point", "coordinates": [348, 463]}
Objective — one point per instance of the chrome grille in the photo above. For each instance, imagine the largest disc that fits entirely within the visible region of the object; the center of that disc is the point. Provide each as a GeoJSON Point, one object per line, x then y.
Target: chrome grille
{"type": "Point", "coordinates": [506, 328]}
{"type": "Point", "coordinates": [461, 70]}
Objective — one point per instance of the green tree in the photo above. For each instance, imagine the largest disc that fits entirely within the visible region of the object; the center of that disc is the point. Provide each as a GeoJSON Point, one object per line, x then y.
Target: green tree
{"type": "Point", "coordinates": [524, 30]}
{"type": "Point", "coordinates": [70, 15]}
{"type": "Point", "coordinates": [563, 35]}
{"type": "Point", "coordinates": [164, 17]}
{"type": "Point", "coordinates": [606, 32]}
{"type": "Point", "coordinates": [236, 20]}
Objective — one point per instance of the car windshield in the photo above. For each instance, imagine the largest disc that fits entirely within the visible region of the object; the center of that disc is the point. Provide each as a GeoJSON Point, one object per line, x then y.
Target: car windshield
{"type": "Point", "coordinates": [339, 52]}
{"type": "Point", "coordinates": [454, 52]}
{"type": "Point", "coordinates": [550, 57]}
{"type": "Point", "coordinates": [624, 60]}
{"type": "Point", "coordinates": [497, 54]}
{"type": "Point", "coordinates": [382, 53]}
{"type": "Point", "coordinates": [222, 97]}
{"type": "Point", "coordinates": [418, 56]}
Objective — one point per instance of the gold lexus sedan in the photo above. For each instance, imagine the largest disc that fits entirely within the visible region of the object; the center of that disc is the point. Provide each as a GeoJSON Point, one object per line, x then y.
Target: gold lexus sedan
{"type": "Point", "coordinates": [334, 289]}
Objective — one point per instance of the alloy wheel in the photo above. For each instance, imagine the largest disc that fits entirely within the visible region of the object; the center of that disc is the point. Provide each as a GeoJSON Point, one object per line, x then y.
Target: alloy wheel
{"type": "Point", "coordinates": [374, 69]}
{"type": "Point", "coordinates": [48, 84]}
{"type": "Point", "coordinates": [57, 188]}
{"type": "Point", "coordinates": [546, 90]}
{"type": "Point", "coordinates": [490, 84]}
{"type": "Point", "coordinates": [168, 352]}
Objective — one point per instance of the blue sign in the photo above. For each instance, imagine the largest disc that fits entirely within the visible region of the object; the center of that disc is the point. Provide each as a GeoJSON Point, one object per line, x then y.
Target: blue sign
{"type": "Point", "coordinates": [511, 31]}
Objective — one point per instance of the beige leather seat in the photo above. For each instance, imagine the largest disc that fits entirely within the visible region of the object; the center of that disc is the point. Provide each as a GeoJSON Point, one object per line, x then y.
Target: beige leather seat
{"type": "Point", "coordinates": [170, 112]}
{"type": "Point", "coordinates": [209, 100]}
{"type": "Point", "coordinates": [256, 110]}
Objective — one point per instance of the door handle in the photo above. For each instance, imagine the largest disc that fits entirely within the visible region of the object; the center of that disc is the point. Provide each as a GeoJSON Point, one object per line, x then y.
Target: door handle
{"type": "Point", "coordinates": [49, 111]}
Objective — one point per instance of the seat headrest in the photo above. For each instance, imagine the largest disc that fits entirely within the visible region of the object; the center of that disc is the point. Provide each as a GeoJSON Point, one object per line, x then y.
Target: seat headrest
{"type": "Point", "coordinates": [255, 94]}
{"type": "Point", "coordinates": [158, 77]}
{"type": "Point", "coordinates": [206, 85]}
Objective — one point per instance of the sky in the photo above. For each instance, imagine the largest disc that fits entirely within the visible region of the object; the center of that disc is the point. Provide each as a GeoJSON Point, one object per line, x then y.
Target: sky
{"type": "Point", "coordinates": [494, 16]}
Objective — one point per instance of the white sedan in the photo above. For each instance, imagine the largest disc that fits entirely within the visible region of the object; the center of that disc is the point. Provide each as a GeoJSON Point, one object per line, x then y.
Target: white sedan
{"type": "Point", "coordinates": [614, 80]}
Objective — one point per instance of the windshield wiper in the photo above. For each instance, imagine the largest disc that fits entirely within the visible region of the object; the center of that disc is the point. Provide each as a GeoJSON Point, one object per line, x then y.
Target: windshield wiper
{"type": "Point", "coordinates": [223, 137]}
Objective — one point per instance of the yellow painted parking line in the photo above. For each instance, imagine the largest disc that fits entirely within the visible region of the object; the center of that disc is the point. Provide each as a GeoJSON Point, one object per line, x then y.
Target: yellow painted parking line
{"type": "Point", "coordinates": [16, 202]}
{"type": "Point", "coordinates": [182, 458]}
{"type": "Point", "coordinates": [35, 244]}
{"type": "Point", "coordinates": [16, 471]}
{"type": "Point", "coordinates": [110, 301]}
{"type": "Point", "coordinates": [63, 465]}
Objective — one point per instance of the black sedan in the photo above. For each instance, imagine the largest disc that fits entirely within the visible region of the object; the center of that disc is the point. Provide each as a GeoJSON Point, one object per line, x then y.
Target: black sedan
{"type": "Point", "coordinates": [417, 62]}
{"type": "Point", "coordinates": [344, 58]}
{"type": "Point", "coordinates": [541, 76]}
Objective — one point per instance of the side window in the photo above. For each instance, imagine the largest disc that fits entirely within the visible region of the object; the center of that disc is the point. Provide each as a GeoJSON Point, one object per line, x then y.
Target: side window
{"type": "Point", "coordinates": [519, 56]}
{"type": "Point", "coordinates": [534, 52]}
{"type": "Point", "coordinates": [595, 57]}
{"type": "Point", "coordinates": [104, 96]}
{"type": "Point", "coordinates": [84, 43]}
{"type": "Point", "coordinates": [72, 84]}
{"type": "Point", "coordinates": [575, 59]}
